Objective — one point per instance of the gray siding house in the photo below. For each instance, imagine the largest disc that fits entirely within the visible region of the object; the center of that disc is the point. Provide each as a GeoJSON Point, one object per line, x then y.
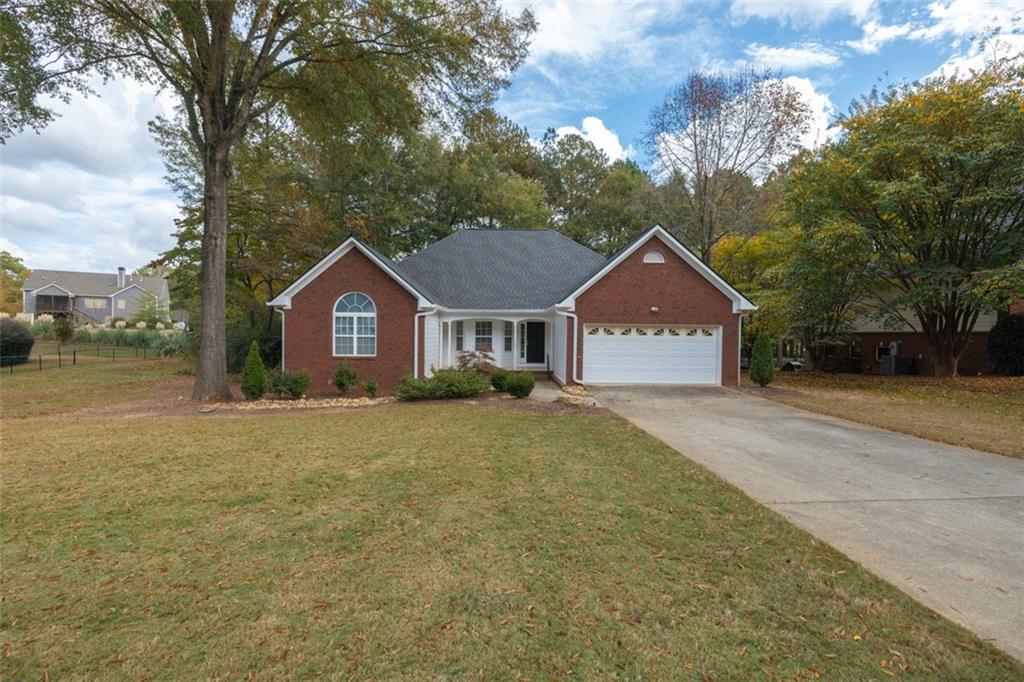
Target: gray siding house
{"type": "Point", "coordinates": [92, 296]}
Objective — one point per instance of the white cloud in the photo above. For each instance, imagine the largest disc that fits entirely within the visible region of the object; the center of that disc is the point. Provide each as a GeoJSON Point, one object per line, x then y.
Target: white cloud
{"type": "Point", "coordinates": [587, 30]}
{"type": "Point", "coordinates": [793, 58]}
{"type": "Point", "coordinates": [595, 131]}
{"type": "Point", "coordinates": [977, 55]}
{"type": "Point", "coordinates": [876, 35]}
{"type": "Point", "coordinates": [964, 18]}
{"type": "Point", "coordinates": [822, 112]}
{"type": "Point", "coordinates": [802, 12]}
{"type": "Point", "coordinates": [87, 192]}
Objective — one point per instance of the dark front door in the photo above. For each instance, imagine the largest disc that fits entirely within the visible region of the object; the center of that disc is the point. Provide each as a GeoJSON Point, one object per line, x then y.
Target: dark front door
{"type": "Point", "coordinates": [535, 342]}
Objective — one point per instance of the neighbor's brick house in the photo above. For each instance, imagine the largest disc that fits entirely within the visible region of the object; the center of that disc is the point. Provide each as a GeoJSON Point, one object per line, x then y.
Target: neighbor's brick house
{"type": "Point", "coordinates": [533, 299]}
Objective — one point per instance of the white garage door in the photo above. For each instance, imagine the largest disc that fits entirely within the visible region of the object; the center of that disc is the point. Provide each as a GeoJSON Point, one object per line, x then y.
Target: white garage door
{"type": "Point", "coordinates": [651, 355]}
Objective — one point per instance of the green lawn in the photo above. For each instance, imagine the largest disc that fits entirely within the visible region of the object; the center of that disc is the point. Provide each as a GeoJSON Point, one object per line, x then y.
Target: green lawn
{"type": "Point", "coordinates": [423, 541]}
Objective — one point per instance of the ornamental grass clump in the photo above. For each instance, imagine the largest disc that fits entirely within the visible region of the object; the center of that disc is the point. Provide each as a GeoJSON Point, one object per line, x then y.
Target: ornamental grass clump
{"type": "Point", "coordinates": [761, 370]}
{"type": "Point", "coordinates": [254, 375]}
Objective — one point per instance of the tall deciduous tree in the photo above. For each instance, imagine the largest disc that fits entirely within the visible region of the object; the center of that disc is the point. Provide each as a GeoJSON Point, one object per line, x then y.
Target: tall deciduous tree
{"type": "Point", "coordinates": [933, 174]}
{"type": "Point", "coordinates": [716, 133]}
{"type": "Point", "coordinates": [228, 61]}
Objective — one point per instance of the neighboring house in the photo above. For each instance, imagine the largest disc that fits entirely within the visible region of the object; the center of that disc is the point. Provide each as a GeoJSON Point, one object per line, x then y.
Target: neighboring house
{"type": "Point", "coordinates": [92, 296]}
{"type": "Point", "coordinates": [535, 299]}
{"type": "Point", "coordinates": [874, 340]}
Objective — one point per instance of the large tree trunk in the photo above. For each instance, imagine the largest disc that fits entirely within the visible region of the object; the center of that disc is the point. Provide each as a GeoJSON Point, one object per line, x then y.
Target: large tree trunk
{"type": "Point", "coordinates": [945, 357]}
{"type": "Point", "coordinates": [212, 374]}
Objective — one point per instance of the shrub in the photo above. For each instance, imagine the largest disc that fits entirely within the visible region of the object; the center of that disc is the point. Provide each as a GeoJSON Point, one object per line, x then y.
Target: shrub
{"type": "Point", "coordinates": [288, 384]}
{"type": "Point", "coordinates": [42, 328]}
{"type": "Point", "coordinates": [240, 336]}
{"type": "Point", "coordinates": [761, 370]}
{"type": "Point", "coordinates": [83, 335]}
{"type": "Point", "coordinates": [446, 383]}
{"type": "Point", "coordinates": [254, 376]}
{"type": "Point", "coordinates": [63, 330]}
{"type": "Point", "coordinates": [519, 384]}
{"type": "Point", "coordinates": [344, 378]}
{"type": "Point", "coordinates": [498, 378]}
{"type": "Point", "coordinates": [15, 342]}
{"type": "Point", "coordinates": [370, 388]}
{"type": "Point", "coordinates": [1006, 346]}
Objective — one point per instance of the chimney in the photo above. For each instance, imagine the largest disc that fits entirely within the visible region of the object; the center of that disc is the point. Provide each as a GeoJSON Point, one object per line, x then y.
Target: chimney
{"type": "Point", "coordinates": [120, 278]}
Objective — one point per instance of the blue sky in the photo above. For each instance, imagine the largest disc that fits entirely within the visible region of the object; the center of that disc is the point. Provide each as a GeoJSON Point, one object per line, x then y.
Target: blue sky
{"type": "Point", "coordinates": [87, 193]}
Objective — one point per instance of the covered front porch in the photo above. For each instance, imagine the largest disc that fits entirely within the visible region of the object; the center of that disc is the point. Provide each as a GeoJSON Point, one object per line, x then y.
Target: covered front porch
{"type": "Point", "coordinates": [514, 341]}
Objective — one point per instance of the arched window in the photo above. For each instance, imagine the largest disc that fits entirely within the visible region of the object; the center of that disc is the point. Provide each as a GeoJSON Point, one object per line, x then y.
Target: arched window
{"type": "Point", "coordinates": [654, 257]}
{"type": "Point", "coordinates": [355, 325]}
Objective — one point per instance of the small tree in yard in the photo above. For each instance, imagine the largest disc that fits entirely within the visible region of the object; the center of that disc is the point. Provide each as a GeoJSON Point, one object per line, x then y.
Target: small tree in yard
{"type": "Point", "coordinates": [63, 329]}
{"type": "Point", "coordinates": [761, 370]}
{"type": "Point", "coordinates": [344, 378]}
{"type": "Point", "coordinates": [254, 375]}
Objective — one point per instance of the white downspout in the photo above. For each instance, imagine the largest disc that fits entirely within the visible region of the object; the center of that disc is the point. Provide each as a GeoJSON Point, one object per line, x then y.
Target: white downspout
{"type": "Point", "coordinates": [280, 310]}
{"type": "Point", "coordinates": [575, 343]}
{"type": "Point", "coordinates": [416, 342]}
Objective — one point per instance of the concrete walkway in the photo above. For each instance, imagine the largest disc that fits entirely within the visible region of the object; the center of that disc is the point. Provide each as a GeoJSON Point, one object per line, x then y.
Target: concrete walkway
{"type": "Point", "coordinates": [942, 523]}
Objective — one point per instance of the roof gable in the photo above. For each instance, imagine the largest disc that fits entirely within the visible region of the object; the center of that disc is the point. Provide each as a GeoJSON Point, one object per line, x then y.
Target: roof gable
{"type": "Point", "coordinates": [92, 283]}
{"type": "Point", "coordinates": [739, 301]}
{"type": "Point", "coordinates": [284, 299]}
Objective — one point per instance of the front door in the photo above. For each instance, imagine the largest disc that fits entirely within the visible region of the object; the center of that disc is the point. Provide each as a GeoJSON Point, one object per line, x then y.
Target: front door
{"type": "Point", "coordinates": [535, 342]}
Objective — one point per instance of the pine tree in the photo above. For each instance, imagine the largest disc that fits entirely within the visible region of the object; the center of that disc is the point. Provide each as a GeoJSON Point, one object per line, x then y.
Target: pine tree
{"type": "Point", "coordinates": [761, 370]}
{"type": "Point", "coordinates": [254, 374]}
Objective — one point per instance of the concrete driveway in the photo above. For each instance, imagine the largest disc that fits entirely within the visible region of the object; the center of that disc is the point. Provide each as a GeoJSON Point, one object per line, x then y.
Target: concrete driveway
{"type": "Point", "coordinates": [942, 523]}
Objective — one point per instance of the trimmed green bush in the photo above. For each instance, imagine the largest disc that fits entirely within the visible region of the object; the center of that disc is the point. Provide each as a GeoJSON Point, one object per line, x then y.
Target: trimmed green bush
{"type": "Point", "coordinates": [444, 384]}
{"type": "Point", "coordinates": [254, 374]}
{"type": "Point", "coordinates": [761, 370]}
{"type": "Point", "coordinates": [519, 384]}
{"type": "Point", "coordinates": [344, 378]}
{"type": "Point", "coordinates": [498, 378]}
{"type": "Point", "coordinates": [1006, 346]}
{"type": "Point", "coordinates": [15, 342]}
{"type": "Point", "coordinates": [371, 388]}
{"type": "Point", "coordinates": [288, 384]}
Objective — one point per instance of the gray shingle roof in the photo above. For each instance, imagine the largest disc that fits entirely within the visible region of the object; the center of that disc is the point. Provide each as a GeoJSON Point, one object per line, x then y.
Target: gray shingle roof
{"type": "Point", "coordinates": [500, 269]}
{"type": "Point", "coordinates": [90, 283]}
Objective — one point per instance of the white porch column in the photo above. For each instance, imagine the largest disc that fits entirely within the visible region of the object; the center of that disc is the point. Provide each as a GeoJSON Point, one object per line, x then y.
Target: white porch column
{"type": "Point", "coordinates": [515, 345]}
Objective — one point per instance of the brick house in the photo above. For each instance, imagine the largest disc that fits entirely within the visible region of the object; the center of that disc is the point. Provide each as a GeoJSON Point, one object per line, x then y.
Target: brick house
{"type": "Point", "coordinates": [534, 299]}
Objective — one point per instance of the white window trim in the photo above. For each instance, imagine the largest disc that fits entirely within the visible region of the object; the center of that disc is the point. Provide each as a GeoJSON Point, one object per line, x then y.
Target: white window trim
{"type": "Point", "coordinates": [477, 335]}
{"type": "Point", "coordinates": [654, 257]}
{"type": "Point", "coordinates": [355, 336]}
{"type": "Point", "coordinates": [460, 336]}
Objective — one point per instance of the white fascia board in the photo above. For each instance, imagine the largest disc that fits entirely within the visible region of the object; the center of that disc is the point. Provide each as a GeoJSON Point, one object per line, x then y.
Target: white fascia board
{"type": "Point", "coordinates": [52, 284]}
{"type": "Point", "coordinates": [284, 299]}
{"type": "Point", "coordinates": [134, 286]}
{"type": "Point", "coordinates": [494, 311]}
{"type": "Point", "coordinates": [739, 301]}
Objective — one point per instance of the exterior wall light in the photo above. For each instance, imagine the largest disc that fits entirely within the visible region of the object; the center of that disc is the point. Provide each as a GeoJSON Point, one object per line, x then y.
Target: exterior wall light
{"type": "Point", "coordinates": [654, 308]}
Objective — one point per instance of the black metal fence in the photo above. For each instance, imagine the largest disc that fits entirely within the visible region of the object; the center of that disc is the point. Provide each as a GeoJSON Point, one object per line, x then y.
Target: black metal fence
{"type": "Point", "coordinates": [61, 358]}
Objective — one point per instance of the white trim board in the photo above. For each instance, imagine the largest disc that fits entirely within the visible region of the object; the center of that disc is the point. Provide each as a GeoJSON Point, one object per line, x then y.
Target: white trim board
{"type": "Point", "coordinates": [739, 301]}
{"type": "Point", "coordinates": [284, 299]}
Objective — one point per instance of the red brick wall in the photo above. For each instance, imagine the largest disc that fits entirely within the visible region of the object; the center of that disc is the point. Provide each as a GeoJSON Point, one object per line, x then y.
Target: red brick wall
{"type": "Point", "coordinates": [682, 295]}
{"type": "Point", "coordinates": [308, 325]}
{"type": "Point", "coordinates": [914, 344]}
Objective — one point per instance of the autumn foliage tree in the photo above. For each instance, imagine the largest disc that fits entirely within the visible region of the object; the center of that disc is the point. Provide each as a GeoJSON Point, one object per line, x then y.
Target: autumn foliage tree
{"type": "Point", "coordinates": [230, 61]}
{"type": "Point", "coordinates": [932, 176]}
